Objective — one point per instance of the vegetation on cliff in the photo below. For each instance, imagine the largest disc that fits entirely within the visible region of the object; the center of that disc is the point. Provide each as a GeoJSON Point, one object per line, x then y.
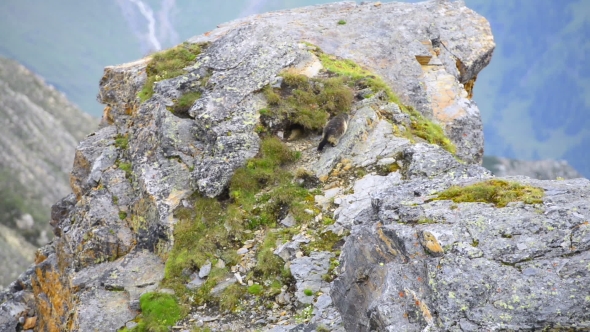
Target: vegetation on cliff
{"type": "Point", "coordinates": [264, 190]}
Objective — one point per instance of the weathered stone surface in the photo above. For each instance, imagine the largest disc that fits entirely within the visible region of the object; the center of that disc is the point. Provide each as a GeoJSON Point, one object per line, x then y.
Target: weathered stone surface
{"type": "Point", "coordinates": [112, 287]}
{"type": "Point", "coordinates": [308, 272]}
{"type": "Point", "coordinates": [499, 266]}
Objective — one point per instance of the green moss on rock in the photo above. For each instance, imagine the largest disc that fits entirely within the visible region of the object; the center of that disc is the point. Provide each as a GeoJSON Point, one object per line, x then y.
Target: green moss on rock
{"type": "Point", "coordinates": [168, 64]}
{"type": "Point", "coordinates": [497, 192]}
{"type": "Point", "coordinates": [159, 312]}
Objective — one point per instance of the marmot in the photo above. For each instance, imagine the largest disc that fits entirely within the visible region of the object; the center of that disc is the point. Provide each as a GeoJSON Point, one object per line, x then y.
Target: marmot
{"type": "Point", "coordinates": [334, 130]}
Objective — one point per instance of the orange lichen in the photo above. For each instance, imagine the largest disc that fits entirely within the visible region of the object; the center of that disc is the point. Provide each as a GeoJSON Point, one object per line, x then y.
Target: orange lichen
{"type": "Point", "coordinates": [53, 299]}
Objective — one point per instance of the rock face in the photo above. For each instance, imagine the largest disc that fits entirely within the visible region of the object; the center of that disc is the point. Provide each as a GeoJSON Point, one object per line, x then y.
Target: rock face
{"type": "Point", "coordinates": [401, 266]}
{"type": "Point", "coordinates": [540, 169]}
{"type": "Point", "coordinates": [41, 129]}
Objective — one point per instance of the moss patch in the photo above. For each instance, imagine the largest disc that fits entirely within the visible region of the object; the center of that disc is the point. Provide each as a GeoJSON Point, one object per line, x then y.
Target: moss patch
{"type": "Point", "coordinates": [168, 64]}
{"type": "Point", "coordinates": [121, 141]}
{"type": "Point", "coordinates": [159, 311]}
{"type": "Point", "coordinates": [497, 192]}
{"type": "Point", "coordinates": [184, 103]}
{"type": "Point", "coordinates": [126, 167]}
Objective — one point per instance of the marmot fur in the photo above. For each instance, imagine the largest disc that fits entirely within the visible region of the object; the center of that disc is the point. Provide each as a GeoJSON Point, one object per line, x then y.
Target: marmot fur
{"type": "Point", "coordinates": [334, 130]}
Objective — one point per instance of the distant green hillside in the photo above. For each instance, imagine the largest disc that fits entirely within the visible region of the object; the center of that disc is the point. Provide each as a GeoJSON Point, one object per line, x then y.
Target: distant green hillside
{"type": "Point", "coordinates": [67, 43]}
{"type": "Point", "coordinates": [40, 130]}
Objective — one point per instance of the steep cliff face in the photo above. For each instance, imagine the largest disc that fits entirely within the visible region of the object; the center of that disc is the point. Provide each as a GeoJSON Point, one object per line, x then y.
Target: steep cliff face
{"type": "Point", "coordinates": [205, 182]}
{"type": "Point", "coordinates": [40, 132]}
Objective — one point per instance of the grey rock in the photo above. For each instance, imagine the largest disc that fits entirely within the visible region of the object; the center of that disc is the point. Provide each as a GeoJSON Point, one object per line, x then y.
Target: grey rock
{"type": "Point", "coordinates": [288, 250]}
{"type": "Point", "coordinates": [288, 221]}
{"type": "Point", "coordinates": [308, 272]}
{"type": "Point", "coordinates": [498, 263]}
{"type": "Point", "coordinates": [356, 208]}
{"type": "Point", "coordinates": [195, 281]}
{"type": "Point", "coordinates": [205, 269]}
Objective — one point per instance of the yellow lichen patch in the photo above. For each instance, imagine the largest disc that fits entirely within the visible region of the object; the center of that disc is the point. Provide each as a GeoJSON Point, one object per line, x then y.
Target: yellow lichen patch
{"type": "Point", "coordinates": [39, 257]}
{"type": "Point", "coordinates": [423, 60]}
{"type": "Point", "coordinates": [53, 299]}
{"type": "Point", "coordinates": [422, 306]}
{"type": "Point", "coordinates": [387, 241]}
{"type": "Point", "coordinates": [431, 244]}
{"type": "Point", "coordinates": [497, 192]}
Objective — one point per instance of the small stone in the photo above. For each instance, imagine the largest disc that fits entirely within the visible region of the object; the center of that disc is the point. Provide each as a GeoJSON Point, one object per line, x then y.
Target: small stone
{"type": "Point", "coordinates": [242, 251]}
{"type": "Point", "coordinates": [250, 282]}
{"type": "Point", "coordinates": [205, 269]}
{"type": "Point", "coordinates": [308, 211]}
{"type": "Point", "coordinates": [288, 221]}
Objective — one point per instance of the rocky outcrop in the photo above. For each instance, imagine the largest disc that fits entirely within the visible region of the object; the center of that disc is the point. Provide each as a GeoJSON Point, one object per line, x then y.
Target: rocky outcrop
{"type": "Point", "coordinates": [539, 169]}
{"type": "Point", "coordinates": [412, 263]}
{"type": "Point", "coordinates": [399, 250]}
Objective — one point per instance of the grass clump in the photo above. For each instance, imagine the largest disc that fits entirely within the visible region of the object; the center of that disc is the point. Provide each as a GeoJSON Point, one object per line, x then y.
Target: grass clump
{"type": "Point", "coordinates": [326, 241]}
{"type": "Point", "coordinates": [121, 141]}
{"type": "Point", "coordinates": [126, 167]}
{"type": "Point", "coordinates": [255, 289]}
{"type": "Point", "coordinates": [308, 292]}
{"type": "Point", "coordinates": [168, 64]}
{"type": "Point", "coordinates": [185, 102]}
{"type": "Point", "coordinates": [259, 192]}
{"type": "Point", "coordinates": [497, 192]}
{"type": "Point", "coordinates": [159, 311]}
{"type": "Point", "coordinates": [308, 102]}
{"type": "Point", "coordinates": [341, 22]}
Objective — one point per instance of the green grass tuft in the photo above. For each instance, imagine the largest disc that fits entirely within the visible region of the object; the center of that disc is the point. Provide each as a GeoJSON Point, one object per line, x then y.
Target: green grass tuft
{"type": "Point", "coordinates": [308, 292]}
{"type": "Point", "coordinates": [121, 141]}
{"type": "Point", "coordinates": [497, 192]}
{"type": "Point", "coordinates": [308, 102]}
{"type": "Point", "coordinates": [126, 167]}
{"type": "Point", "coordinates": [159, 312]}
{"type": "Point", "coordinates": [168, 64]}
{"type": "Point", "coordinates": [185, 102]}
{"type": "Point", "coordinates": [341, 22]}
{"type": "Point", "coordinates": [255, 289]}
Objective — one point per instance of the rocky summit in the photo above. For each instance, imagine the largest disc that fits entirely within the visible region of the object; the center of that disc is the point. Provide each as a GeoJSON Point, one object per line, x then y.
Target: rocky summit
{"type": "Point", "coordinates": [202, 203]}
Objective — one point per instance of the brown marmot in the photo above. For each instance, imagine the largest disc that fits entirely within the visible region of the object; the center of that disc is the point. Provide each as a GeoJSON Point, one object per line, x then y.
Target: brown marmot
{"type": "Point", "coordinates": [334, 130]}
